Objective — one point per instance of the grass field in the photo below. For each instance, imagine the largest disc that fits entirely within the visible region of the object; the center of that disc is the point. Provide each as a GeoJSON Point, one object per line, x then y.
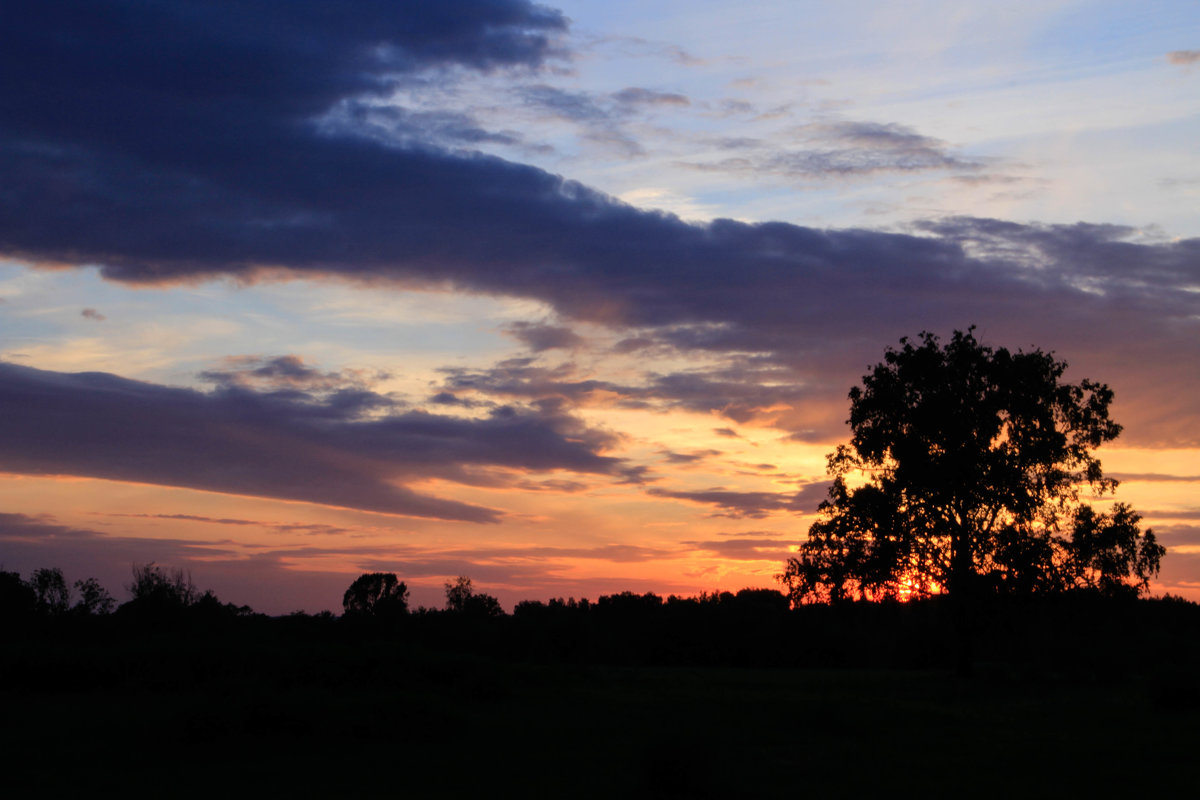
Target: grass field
{"type": "Point", "coordinates": [180, 717]}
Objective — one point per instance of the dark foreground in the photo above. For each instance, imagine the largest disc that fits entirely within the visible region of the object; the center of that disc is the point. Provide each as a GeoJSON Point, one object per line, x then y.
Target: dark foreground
{"type": "Point", "coordinates": [321, 708]}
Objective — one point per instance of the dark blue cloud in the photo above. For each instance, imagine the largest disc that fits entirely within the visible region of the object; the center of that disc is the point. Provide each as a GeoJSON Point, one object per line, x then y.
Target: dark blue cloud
{"type": "Point", "coordinates": [167, 141]}
{"type": "Point", "coordinates": [539, 337]}
{"type": "Point", "coordinates": [288, 445]}
{"type": "Point", "coordinates": [638, 96]}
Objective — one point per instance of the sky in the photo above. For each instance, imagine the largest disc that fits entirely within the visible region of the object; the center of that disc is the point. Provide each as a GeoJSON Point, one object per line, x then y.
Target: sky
{"type": "Point", "coordinates": [567, 299]}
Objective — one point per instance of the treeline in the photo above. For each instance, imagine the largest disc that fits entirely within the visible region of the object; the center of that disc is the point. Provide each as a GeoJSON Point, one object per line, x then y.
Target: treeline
{"type": "Point", "coordinates": [1080, 634]}
{"type": "Point", "coordinates": [156, 594]}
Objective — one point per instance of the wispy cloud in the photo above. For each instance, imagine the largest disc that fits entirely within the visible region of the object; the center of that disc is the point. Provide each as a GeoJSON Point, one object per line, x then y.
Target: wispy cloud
{"type": "Point", "coordinates": [637, 47]}
{"type": "Point", "coordinates": [745, 548]}
{"type": "Point", "coordinates": [750, 505]}
{"type": "Point", "coordinates": [1153, 477]}
{"type": "Point", "coordinates": [839, 149]}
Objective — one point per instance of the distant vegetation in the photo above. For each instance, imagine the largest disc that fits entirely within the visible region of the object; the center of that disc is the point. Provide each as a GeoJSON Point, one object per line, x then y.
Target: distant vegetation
{"type": "Point", "coordinates": [964, 548]}
{"type": "Point", "coordinates": [751, 627]}
{"type": "Point", "coordinates": [728, 694]}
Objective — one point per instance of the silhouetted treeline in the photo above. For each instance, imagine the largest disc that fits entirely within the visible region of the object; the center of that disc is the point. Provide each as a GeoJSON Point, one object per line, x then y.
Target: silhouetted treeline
{"type": "Point", "coordinates": [630, 695]}
{"type": "Point", "coordinates": [1081, 633]}
{"type": "Point", "coordinates": [160, 599]}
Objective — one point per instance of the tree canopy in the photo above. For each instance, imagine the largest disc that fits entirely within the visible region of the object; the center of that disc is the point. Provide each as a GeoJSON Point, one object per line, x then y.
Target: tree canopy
{"type": "Point", "coordinates": [376, 594]}
{"type": "Point", "coordinates": [964, 472]}
{"type": "Point", "coordinates": [461, 598]}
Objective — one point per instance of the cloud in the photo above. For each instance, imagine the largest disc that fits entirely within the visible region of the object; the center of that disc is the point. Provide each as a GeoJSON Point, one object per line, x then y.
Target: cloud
{"type": "Point", "coordinates": [284, 372]}
{"type": "Point", "coordinates": [1173, 536]}
{"type": "Point", "coordinates": [286, 445]}
{"type": "Point", "coordinates": [637, 47]}
{"type": "Point", "coordinates": [539, 338]}
{"type": "Point", "coordinates": [1153, 477]}
{"type": "Point", "coordinates": [1184, 57]}
{"type": "Point", "coordinates": [617, 553]}
{"type": "Point", "coordinates": [739, 394]}
{"type": "Point", "coordinates": [752, 505]}
{"type": "Point", "coordinates": [192, 518]}
{"type": "Point", "coordinates": [552, 485]}
{"type": "Point", "coordinates": [574, 106]}
{"type": "Point", "coordinates": [1171, 514]}
{"type": "Point", "coordinates": [25, 526]}
{"type": "Point", "coordinates": [305, 528]}
{"type": "Point", "coordinates": [525, 379]}
{"type": "Point", "coordinates": [745, 549]}
{"type": "Point", "coordinates": [92, 314]}
{"type": "Point", "coordinates": [736, 389]}
{"type": "Point", "coordinates": [208, 158]}
{"type": "Point", "coordinates": [600, 116]}
{"type": "Point", "coordinates": [396, 125]}
{"type": "Point", "coordinates": [840, 149]}
{"type": "Point", "coordinates": [637, 96]}
{"type": "Point", "coordinates": [693, 457]}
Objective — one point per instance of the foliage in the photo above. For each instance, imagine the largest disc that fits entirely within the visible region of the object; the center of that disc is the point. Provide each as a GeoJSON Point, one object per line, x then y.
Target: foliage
{"type": "Point", "coordinates": [461, 598]}
{"type": "Point", "coordinates": [53, 596]}
{"type": "Point", "coordinates": [93, 598]}
{"type": "Point", "coordinates": [964, 469]}
{"type": "Point", "coordinates": [46, 593]}
{"type": "Point", "coordinates": [17, 598]}
{"type": "Point", "coordinates": [376, 594]}
{"type": "Point", "coordinates": [157, 587]}
{"type": "Point", "coordinates": [1109, 554]}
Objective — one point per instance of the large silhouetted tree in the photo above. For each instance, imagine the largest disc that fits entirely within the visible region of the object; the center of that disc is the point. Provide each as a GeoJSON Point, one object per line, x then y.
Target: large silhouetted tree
{"type": "Point", "coordinates": [963, 475]}
{"type": "Point", "coordinates": [376, 594]}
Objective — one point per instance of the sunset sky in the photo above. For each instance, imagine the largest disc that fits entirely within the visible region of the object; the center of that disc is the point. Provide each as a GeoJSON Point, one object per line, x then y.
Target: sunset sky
{"type": "Point", "coordinates": [566, 299]}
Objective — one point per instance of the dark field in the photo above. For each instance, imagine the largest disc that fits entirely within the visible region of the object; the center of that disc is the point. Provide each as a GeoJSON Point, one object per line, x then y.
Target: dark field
{"type": "Point", "coordinates": [318, 708]}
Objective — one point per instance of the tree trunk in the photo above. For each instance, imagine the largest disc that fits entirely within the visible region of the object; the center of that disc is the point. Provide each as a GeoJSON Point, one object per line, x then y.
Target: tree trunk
{"type": "Point", "coordinates": [962, 601]}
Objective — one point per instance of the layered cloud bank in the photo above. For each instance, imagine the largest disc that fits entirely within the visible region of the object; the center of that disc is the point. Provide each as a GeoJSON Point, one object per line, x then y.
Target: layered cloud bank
{"type": "Point", "coordinates": [171, 142]}
{"type": "Point", "coordinates": [322, 447]}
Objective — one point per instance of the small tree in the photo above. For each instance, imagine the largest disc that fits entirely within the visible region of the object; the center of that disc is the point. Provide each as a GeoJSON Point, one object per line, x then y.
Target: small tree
{"type": "Point", "coordinates": [157, 587]}
{"type": "Point", "coordinates": [376, 594]}
{"type": "Point", "coordinates": [93, 598]}
{"type": "Point", "coordinates": [461, 598]}
{"type": "Point", "coordinates": [963, 474]}
{"type": "Point", "coordinates": [1109, 554]}
{"type": "Point", "coordinates": [53, 596]}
